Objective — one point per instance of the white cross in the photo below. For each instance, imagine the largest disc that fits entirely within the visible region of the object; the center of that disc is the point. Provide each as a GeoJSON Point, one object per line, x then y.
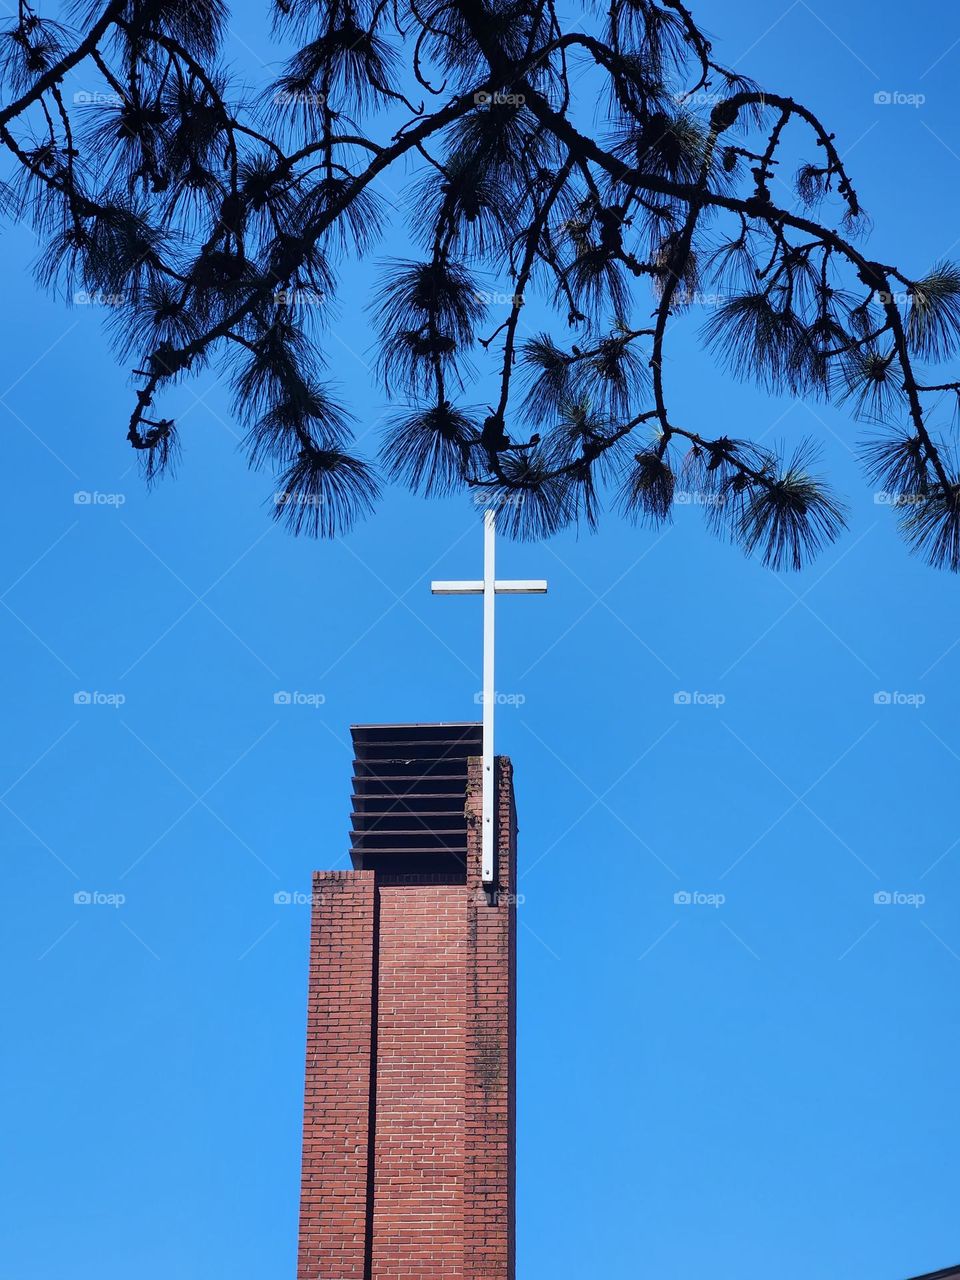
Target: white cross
{"type": "Point", "coordinates": [489, 588]}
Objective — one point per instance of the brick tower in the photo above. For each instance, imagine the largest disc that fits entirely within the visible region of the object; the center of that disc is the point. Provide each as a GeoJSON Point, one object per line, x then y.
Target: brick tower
{"type": "Point", "coordinates": [408, 1132]}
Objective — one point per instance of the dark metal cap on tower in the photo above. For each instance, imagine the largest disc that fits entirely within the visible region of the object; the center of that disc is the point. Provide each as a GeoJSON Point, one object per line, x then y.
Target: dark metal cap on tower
{"type": "Point", "coordinates": [409, 797]}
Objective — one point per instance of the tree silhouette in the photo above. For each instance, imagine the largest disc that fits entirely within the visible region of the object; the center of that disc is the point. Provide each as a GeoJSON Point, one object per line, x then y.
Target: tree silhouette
{"type": "Point", "coordinates": [212, 223]}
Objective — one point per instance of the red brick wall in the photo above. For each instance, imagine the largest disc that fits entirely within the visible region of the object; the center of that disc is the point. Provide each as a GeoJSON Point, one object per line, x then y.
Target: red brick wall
{"type": "Point", "coordinates": [411, 1050]}
{"type": "Point", "coordinates": [418, 1205]}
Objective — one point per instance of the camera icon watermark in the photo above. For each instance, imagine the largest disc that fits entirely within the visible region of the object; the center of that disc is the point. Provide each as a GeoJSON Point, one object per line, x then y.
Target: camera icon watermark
{"type": "Point", "coordinates": [896, 898]}
{"type": "Point", "coordinates": [97, 298]}
{"type": "Point", "coordinates": [86, 698]}
{"type": "Point", "coordinates": [298, 97]}
{"type": "Point", "coordinates": [295, 698]}
{"type": "Point", "coordinates": [701, 98]}
{"type": "Point", "coordinates": [887, 698]}
{"type": "Point", "coordinates": [496, 502]}
{"type": "Point", "coordinates": [302, 297]}
{"type": "Point", "coordinates": [94, 498]}
{"type": "Point", "coordinates": [694, 698]}
{"type": "Point", "coordinates": [297, 498]}
{"type": "Point", "coordinates": [695, 898]}
{"type": "Point", "coordinates": [496, 897]}
{"type": "Point", "coordinates": [883, 498]}
{"type": "Point", "coordinates": [482, 98]}
{"type": "Point", "coordinates": [96, 898]}
{"type": "Point", "coordinates": [896, 98]}
{"type": "Point", "coordinates": [697, 498]}
{"type": "Point", "coordinates": [491, 298]}
{"type": "Point", "coordinates": [88, 98]}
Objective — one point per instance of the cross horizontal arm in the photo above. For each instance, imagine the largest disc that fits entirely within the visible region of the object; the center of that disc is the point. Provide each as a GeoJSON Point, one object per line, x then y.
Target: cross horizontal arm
{"type": "Point", "coordinates": [521, 587]}
{"type": "Point", "coordinates": [511, 587]}
{"type": "Point", "coordinates": [457, 588]}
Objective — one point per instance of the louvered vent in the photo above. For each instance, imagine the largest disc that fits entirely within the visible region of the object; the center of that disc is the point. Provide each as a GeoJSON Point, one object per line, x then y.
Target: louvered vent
{"type": "Point", "coordinates": [409, 796]}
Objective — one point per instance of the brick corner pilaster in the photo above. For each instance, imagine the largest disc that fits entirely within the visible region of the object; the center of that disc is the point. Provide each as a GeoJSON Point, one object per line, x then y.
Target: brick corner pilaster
{"type": "Point", "coordinates": [334, 1200]}
{"type": "Point", "coordinates": [489, 1149]}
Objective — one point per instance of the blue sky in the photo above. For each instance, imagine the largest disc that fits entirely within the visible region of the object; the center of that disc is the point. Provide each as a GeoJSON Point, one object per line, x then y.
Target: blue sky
{"type": "Point", "coordinates": [758, 1082]}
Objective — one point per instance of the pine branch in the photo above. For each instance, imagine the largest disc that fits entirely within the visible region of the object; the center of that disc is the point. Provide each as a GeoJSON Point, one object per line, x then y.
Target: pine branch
{"type": "Point", "coordinates": [214, 224]}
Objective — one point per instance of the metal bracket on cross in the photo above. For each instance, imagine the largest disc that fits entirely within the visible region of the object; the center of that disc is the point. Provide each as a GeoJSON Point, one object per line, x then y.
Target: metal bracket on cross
{"type": "Point", "coordinates": [489, 588]}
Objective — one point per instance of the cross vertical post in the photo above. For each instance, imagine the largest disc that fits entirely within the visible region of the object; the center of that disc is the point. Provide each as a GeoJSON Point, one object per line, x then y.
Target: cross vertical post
{"type": "Point", "coordinates": [489, 693]}
{"type": "Point", "coordinates": [489, 588]}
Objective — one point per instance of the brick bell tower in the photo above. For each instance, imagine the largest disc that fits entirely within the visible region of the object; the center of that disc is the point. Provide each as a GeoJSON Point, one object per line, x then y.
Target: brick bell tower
{"type": "Point", "coordinates": [409, 1112]}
